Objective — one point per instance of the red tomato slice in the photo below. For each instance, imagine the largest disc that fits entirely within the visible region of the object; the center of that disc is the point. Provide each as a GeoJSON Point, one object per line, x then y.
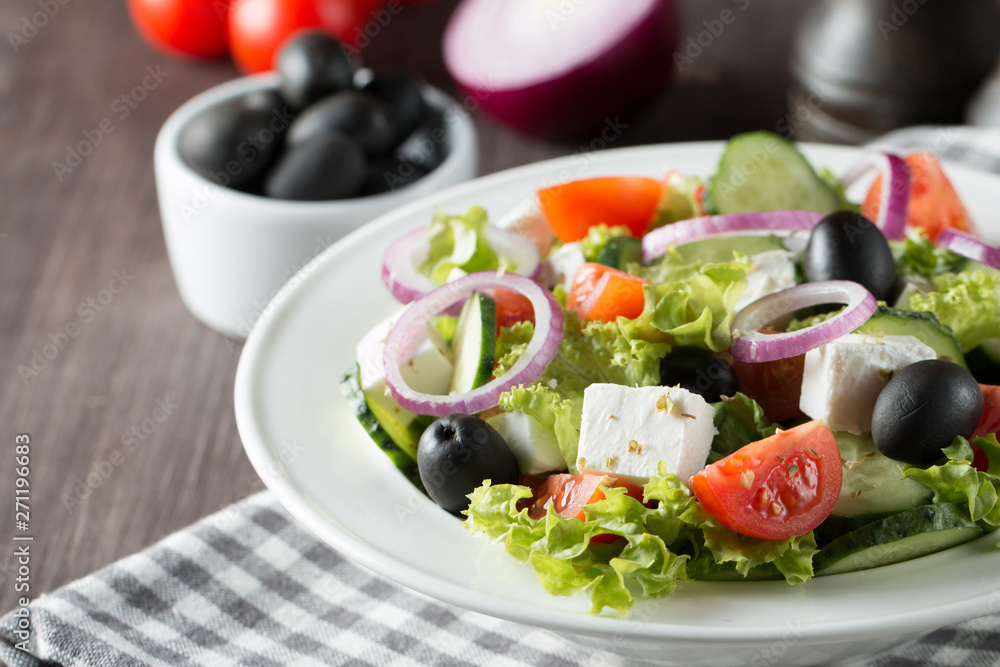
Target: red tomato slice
{"type": "Point", "coordinates": [934, 203]}
{"type": "Point", "coordinates": [573, 208]}
{"type": "Point", "coordinates": [988, 423]}
{"type": "Point", "coordinates": [599, 292]}
{"type": "Point", "coordinates": [512, 308]}
{"type": "Point", "coordinates": [569, 493]}
{"type": "Point", "coordinates": [775, 385]}
{"type": "Point", "coordinates": [776, 488]}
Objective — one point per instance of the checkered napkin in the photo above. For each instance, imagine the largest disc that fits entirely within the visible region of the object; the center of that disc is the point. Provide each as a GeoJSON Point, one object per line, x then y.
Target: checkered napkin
{"type": "Point", "coordinates": [250, 586]}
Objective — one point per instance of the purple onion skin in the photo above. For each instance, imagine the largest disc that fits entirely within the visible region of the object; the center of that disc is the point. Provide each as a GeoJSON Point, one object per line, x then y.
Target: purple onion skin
{"type": "Point", "coordinates": [580, 103]}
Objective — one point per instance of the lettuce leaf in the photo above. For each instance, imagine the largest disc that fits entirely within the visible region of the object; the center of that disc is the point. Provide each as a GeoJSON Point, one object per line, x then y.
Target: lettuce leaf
{"type": "Point", "coordinates": [956, 481]}
{"type": "Point", "coordinates": [739, 421]}
{"type": "Point", "coordinates": [652, 556]}
{"type": "Point", "coordinates": [598, 236]}
{"type": "Point", "coordinates": [559, 416]}
{"type": "Point", "coordinates": [681, 199]}
{"type": "Point", "coordinates": [917, 256]}
{"type": "Point", "coordinates": [967, 302]}
{"type": "Point", "coordinates": [459, 242]}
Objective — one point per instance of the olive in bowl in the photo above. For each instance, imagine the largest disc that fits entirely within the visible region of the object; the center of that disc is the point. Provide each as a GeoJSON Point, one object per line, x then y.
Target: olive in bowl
{"type": "Point", "coordinates": [232, 249]}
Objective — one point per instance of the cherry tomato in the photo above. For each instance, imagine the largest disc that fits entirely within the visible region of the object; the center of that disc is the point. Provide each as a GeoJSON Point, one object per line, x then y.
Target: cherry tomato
{"type": "Point", "coordinates": [934, 204]}
{"type": "Point", "coordinates": [573, 208]}
{"type": "Point", "coordinates": [988, 423]}
{"type": "Point", "coordinates": [776, 488]}
{"type": "Point", "coordinates": [569, 493]}
{"type": "Point", "coordinates": [182, 27]}
{"type": "Point", "coordinates": [258, 28]}
{"type": "Point", "coordinates": [775, 385]}
{"type": "Point", "coordinates": [602, 293]}
{"type": "Point", "coordinates": [512, 308]}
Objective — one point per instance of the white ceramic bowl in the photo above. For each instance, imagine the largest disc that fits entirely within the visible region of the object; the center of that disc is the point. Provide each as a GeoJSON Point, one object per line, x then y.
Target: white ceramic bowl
{"type": "Point", "coordinates": [231, 251]}
{"type": "Point", "coordinates": [304, 442]}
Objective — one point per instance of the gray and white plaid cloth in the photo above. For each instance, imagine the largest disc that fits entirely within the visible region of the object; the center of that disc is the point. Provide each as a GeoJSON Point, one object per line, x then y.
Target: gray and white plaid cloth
{"type": "Point", "coordinates": [250, 586]}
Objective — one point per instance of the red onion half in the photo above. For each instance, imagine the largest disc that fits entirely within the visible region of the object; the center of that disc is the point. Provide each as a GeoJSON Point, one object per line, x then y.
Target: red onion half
{"type": "Point", "coordinates": [411, 329]}
{"type": "Point", "coordinates": [894, 200]}
{"type": "Point", "coordinates": [655, 243]}
{"type": "Point", "coordinates": [967, 245]}
{"type": "Point", "coordinates": [561, 69]}
{"type": "Point", "coordinates": [401, 259]}
{"type": "Point", "coordinates": [750, 345]}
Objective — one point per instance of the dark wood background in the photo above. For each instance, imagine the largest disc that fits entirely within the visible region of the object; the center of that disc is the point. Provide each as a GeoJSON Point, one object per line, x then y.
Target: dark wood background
{"type": "Point", "coordinates": [94, 498]}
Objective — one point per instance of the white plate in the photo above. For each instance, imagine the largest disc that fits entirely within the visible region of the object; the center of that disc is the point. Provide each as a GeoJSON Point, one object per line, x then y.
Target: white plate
{"type": "Point", "coordinates": [302, 439]}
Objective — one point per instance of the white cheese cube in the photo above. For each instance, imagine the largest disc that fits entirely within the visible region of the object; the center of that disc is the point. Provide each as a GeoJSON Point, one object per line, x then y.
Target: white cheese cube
{"type": "Point", "coordinates": [627, 431]}
{"type": "Point", "coordinates": [562, 265]}
{"type": "Point", "coordinates": [842, 379]}
{"type": "Point", "coordinates": [770, 272]}
{"type": "Point", "coordinates": [428, 371]}
{"type": "Point", "coordinates": [535, 449]}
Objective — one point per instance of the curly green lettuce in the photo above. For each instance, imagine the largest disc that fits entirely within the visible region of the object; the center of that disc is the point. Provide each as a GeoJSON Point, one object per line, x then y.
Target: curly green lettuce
{"type": "Point", "coordinates": [459, 242]}
{"type": "Point", "coordinates": [956, 481]}
{"type": "Point", "coordinates": [967, 302]}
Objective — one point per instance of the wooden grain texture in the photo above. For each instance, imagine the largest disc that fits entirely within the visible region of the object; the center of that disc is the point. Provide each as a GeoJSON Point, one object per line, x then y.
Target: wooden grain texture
{"type": "Point", "coordinates": [63, 238]}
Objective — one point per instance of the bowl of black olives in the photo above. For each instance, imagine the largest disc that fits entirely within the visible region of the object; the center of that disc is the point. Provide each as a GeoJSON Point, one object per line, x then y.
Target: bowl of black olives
{"type": "Point", "coordinates": [257, 176]}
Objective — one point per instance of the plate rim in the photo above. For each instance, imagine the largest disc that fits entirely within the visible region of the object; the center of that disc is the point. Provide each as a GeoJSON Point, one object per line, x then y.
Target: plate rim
{"type": "Point", "coordinates": [409, 577]}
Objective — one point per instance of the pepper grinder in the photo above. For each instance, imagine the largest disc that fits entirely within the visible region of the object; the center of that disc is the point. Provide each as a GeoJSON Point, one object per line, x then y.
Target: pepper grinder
{"type": "Point", "coordinates": [864, 67]}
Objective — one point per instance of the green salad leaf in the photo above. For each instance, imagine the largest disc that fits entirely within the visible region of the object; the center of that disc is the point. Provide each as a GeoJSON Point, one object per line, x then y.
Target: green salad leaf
{"type": "Point", "coordinates": [657, 542]}
{"type": "Point", "coordinates": [917, 255]}
{"type": "Point", "coordinates": [956, 481]}
{"type": "Point", "coordinates": [459, 242]}
{"type": "Point", "coordinates": [681, 199]}
{"type": "Point", "coordinates": [739, 421]}
{"type": "Point", "coordinates": [598, 236]}
{"type": "Point", "coordinates": [967, 302]}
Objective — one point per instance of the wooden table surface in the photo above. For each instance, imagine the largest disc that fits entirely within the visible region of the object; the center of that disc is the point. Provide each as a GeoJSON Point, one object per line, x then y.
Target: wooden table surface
{"type": "Point", "coordinates": [126, 397]}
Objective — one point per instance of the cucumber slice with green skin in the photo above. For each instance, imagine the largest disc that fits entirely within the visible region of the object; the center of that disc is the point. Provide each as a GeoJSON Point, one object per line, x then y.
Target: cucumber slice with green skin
{"type": "Point", "coordinates": [834, 527]}
{"type": "Point", "coordinates": [872, 482]}
{"type": "Point", "coordinates": [395, 435]}
{"type": "Point", "coordinates": [761, 171]}
{"type": "Point", "coordinates": [910, 534]}
{"type": "Point", "coordinates": [721, 248]}
{"type": "Point", "coordinates": [923, 326]}
{"type": "Point", "coordinates": [475, 343]}
{"type": "Point", "coordinates": [617, 252]}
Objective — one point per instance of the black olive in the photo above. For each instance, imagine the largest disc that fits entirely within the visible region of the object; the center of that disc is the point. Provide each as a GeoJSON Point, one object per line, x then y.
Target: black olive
{"type": "Point", "coordinates": [922, 408]}
{"type": "Point", "coordinates": [390, 174]}
{"type": "Point", "coordinates": [231, 144]}
{"type": "Point", "coordinates": [330, 166]}
{"type": "Point", "coordinates": [848, 246]}
{"type": "Point", "coordinates": [456, 453]}
{"type": "Point", "coordinates": [403, 101]}
{"type": "Point", "coordinates": [267, 99]}
{"type": "Point", "coordinates": [357, 114]}
{"type": "Point", "coordinates": [700, 371]}
{"type": "Point", "coordinates": [982, 366]}
{"type": "Point", "coordinates": [427, 145]}
{"type": "Point", "coordinates": [313, 66]}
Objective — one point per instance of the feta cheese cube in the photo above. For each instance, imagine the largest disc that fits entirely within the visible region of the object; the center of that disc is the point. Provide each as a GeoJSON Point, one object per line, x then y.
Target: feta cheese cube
{"type": "Point", "coordinates": [428, 371]}
{"type": "Point", "coordinates": [535, 448]}
{"type": "Point", "coordinates": [770, 272]}
{"type": "Point", "coordinates": [842, 379]}
{"type": "Point", "coordinates": [627, 431]}
{"type": "Point", "coordinates": [562, 265]}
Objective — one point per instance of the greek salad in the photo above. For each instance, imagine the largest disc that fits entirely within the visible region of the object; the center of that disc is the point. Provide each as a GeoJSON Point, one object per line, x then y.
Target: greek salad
{"type": "Point", "coordinates": [632, 382]}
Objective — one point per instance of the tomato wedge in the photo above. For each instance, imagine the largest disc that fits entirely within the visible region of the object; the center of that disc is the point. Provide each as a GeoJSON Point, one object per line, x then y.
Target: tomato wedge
{"type": "Point", "coordinates": [988, 423]}
{"type": "Point", "coordinates": [934, 203]}
{"type": "Point", "coordinates": [775, 385]}
{"type": "Point", "coordinates": [569, 493]}
{"type": "Point", "coordinates": [512, 308]}
{"type": "Point", "coordinates": [776, 488]}
{"type": "Point", "coordinates": [573, 208]}
{"type": "Point", "coordinates": [599, 292]}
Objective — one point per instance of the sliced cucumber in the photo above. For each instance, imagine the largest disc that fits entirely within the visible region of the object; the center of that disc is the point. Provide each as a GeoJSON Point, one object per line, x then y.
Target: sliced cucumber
{"type": "Point", "coordinates": [617, 252]}
{"type": "Point", "coordinates": [721, 248]}
{"type": "Point", "coordinates": [761, 171]}
{"type": "Point", "coordinates": [475, 343]}
{"type": "Point", "coordinates": [910, 534]}
{"type": "Point", "coordinates": [395, 434]}
{"type": "Point", "coordinates": [872, 481]}
{"type": "Point", "coordinates": [923, 326]}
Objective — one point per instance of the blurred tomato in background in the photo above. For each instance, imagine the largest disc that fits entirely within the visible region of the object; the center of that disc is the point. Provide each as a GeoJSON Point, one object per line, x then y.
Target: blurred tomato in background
{"type": "Point", "coordinates": [193, 28]}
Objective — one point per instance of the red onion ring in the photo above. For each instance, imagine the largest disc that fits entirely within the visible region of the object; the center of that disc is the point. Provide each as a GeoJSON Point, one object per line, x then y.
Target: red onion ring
{"type": "Point", "coordinates": [752, 346]}
{"type": "Point", "coordinates": [967, 245]}
{"type": "Point", "coordinates": [410, 330]}
{"type": "Point", "coordinates": [655, 243]}
{"type": "Point", "coordinates": [894, 201]}
{"type": "Point", "coordinates": [399, 264]}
